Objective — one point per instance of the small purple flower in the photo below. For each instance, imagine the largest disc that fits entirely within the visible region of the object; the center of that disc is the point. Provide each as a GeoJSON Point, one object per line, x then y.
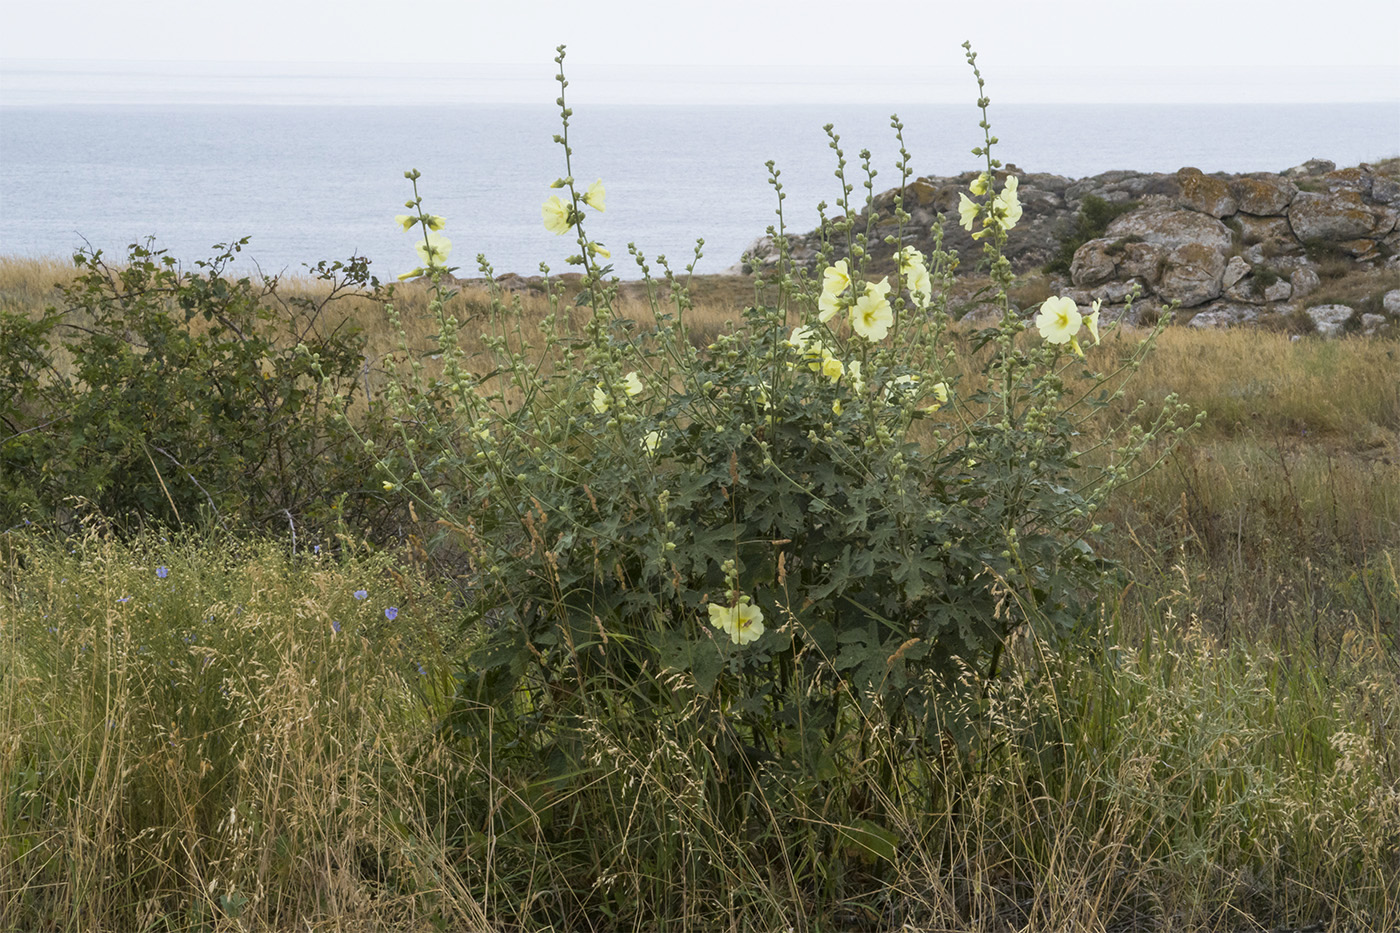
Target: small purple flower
{"type": "Point", "coordinates": [124, 599]}
{"type": "Point", "coordinates": [162, 572]}
{"type": "Point", "coordinates": [361, 594]}
{"type": "Point", "coordinates": [391, 613]}
{"type": "Point", "coordinates": [317, 549]}
{"type": "Point", "coordinates": [335, 626]}
{"type": "Point", "coordinates": [422, 671]}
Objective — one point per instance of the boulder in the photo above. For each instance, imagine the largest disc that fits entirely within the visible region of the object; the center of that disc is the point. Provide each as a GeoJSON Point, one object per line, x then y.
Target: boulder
{"type": "Point", "coordinates": [1340, 216]}
{"type": "Point", "coordinates": [1142, 261]}
{"type": "Point", "coordinates": [1093, 262]}
{"type": "Point", "coordinates": [1304, 281]}
{"type": "Point", "coordinates": [1224, 314]}
{"type": "Point", "coordinates": [1311, 167]}
{"type": "Point", "coordinates": [1385, 190]}
{"type": "Point", "coordinates": [1390, 304]}
{"type": "Point", "coordinates": [1235, 270]}
{"type": "Point", "coordinates": [1262, 194]}
{"type": "Point", "coordinates": [1192, 274]}
{"type": "Point", "coordinates": [1372, 323]}
{"type": "Point", "coordinates": [1205, 193]}
{"type": "Point", "coordinates": [1171, 229]}
{"type": "Point", "coordinates": [1330, 319]}
{"type": "Point", "coordinates": [1263, 229]}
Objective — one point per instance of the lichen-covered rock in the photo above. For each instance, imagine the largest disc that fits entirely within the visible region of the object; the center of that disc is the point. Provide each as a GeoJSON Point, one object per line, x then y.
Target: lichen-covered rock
{"type": "Point", "coordinates": [1224, 314]}
{"type": "Point", "coordinates": [1311, 167]}
{"type": "Point", "coordinates": [1205, 193]}
{"type": "Point", "coordinates": [1304, 281]}
{"type": "Point", "coordinates": [1093, 263]}
{"type": "Point", "coordinates": [1263, 229]}
{"type": "Point", "coordinates": [1385, 190]}
{"type": "Point", "coordinates": [1144, 261]}
{"type": "Point", "coordinates": [1262, 194]}
{"type": "Point", "coordinates": [1390, 304]}
{"type": "Point", "coordinates": [1372, 323]}
{"type": "Point", "coordinates": [1235, 270]}
{"type": "Point", "coordinates": [1192, 275]}
{"type": "Point", "coordinates": [1342, 215]}
{"type": "Point", "coordinates": [1330, 320]}
{"type": "Point", "coordinates": [1171, 229]}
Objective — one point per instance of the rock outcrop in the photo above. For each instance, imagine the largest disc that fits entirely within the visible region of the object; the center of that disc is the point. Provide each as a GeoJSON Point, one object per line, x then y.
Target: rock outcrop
{"type": "Point", "coordinates": [1231, 249]}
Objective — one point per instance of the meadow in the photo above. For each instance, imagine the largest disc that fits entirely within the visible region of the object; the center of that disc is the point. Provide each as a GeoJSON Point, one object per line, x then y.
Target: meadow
{"type": "Point", "coordinates": [675, 605]}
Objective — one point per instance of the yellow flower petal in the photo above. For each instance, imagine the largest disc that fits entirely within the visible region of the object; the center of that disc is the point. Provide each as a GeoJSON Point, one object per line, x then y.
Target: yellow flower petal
{"type": "Point", "coordinates": [743, 623]}
{"type": "Point", "coordinates": [405, 220]}
{"type": "Point", "coordinates": [872, 316]}
{"type": "Point", "coordinates": [435, 251]}
{"type": "Point", "coordinates": [968, 210]}
{"type": "Point", "coordinates": [632, 384]}
{"type": "Point", "coordinates": [1093, 321]}
{"type": "Point", "coordinates": [434, 222]}
{"type": "Point", "coordinates": [1058, 320]}
{"type": "Point", "coordinates": [593, 197]}
{"type": "Point", "coordinates": [556, 215]}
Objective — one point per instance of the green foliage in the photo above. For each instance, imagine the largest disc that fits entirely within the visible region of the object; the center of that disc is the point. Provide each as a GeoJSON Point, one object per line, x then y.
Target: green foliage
{"type": "Point", "coordinates": [1095, 214]}
{"type": "Point", "coordinates": [190, 393]}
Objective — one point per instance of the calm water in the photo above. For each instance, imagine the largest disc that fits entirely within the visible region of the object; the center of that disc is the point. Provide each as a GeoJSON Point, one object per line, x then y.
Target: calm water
{"type": "Point", "coordinates": [323, 182]}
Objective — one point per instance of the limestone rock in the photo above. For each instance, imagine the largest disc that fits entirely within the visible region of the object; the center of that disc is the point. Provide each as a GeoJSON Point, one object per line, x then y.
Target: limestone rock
{"type": "Point", "coordinates": [1330, 319]}
{"type": "Point", "coordinates": [1282, 290]}
{"type": "Point", "coordinates": [1093, 263]}
{"type": "Point", "coordinates": [1372, 323]}
{"type": "Point", "coordinates": [1142, 261]}
{"type": "Point", "coordinates": [1391, 302]}
{"type": "Point", "coordinates": [1171, 229]}
{"type": "Point", "coordinates": [1304, 281]}
{"type": "Point", "coordinates": [1311, 167]}
{"type": "Point", "coordinates": [1224, 314]}
{"type": "Point", "coordinates": [1192, 275]}
{"type": "Point", "coordinates": [1262, 194]}
{"type": "Point", "coordinates": [1235, 270]}
{"type": "Point", "coordinates": [1263, 229]}
{"type": "Point", "coordinates": [1385, 190]}
{"type": "Point", "coordinates": [1340, 216]}
{"type": "Point", "coordinates": [1205, 193]}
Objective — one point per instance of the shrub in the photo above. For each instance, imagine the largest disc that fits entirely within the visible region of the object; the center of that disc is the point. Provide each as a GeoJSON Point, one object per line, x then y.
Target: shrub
{"type": "Point", "coordinates": [1095, 214]}
{"type": "Point", "coordinates": [189, 393]}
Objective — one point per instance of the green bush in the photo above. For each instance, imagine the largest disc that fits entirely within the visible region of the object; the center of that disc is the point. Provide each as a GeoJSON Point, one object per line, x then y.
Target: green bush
{"type": "Point", "coordinates": [1095, 214]}
{"type": "Point", "coordinates": [189, 393]}
{"type": "Point", "coordinates": [764, 543]}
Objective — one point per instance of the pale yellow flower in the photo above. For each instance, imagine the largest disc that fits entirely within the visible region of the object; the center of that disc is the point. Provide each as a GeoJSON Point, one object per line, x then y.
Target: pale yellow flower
{"type": "Point", "coordinates": [557, 217]}
{"type": "Point", "coordinates": [597, 249]}
{"type": "Point", "coordinates": [909, 259]}
{"type": "Point", "coordinates": [801, 336]}
{"type": "Point", "coordinates": [593, 197]}
{"type": "Point", "coordinates": [831, 367]}
{"type": "Point", "coordinates": [835, 280]}
{"type": "Point", "coordinates": [412, 274]}
{"type": "Point", "coordinates": [920, 284]}
{"type": "Point", "coordinates": [743, 622]}
{"type": "Point", "coordinates": [405, 220]}
{"type": "Point", "coordinates": [872, 316]}
{"type": "Point", "coordinates": [853, 373]}
{"type": "Point", "coordinates": [435, 251]}
{"type": "Point", "coordinates": [836, 406]}
{"type": "Point", "coordinates": [979, 184]}
{"type": "Point", "coordinates": [651, 442]}
{"type": "Point", "coordinates": [1093, 321]}
{"type": "Point", "coordinates": [968, 210]}
{"type": "Point", "coordinates": [1008, 208]}
{"type": "Point", "coordinates": [632, 384]}
{"type": "Point", "coordinates": [900, 386]}
{"type": "Point", "coordinates": [433, 222]}
{"type": "Point", "coordinates": [939, 390]}
{"type": "Point", "coordinates": [601, 402]}
{"type": "Point", "coordinates": [1058, 320]}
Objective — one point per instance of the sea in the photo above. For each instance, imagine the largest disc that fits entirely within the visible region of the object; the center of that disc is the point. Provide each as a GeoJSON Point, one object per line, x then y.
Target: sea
{"type": "Point", "coordinates": [322, 182]}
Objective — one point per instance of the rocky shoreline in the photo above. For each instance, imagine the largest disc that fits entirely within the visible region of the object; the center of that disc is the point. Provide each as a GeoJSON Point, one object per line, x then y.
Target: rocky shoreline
{"type": "Point", "coordinates": [1227, 249]}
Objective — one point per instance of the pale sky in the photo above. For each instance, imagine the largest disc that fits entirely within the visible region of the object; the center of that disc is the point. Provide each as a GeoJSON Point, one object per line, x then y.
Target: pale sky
{"type": "Point", "coordinates": [719, 51]}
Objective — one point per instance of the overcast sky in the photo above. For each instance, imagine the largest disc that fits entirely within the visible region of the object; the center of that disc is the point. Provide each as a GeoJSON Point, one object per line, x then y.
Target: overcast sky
{"type": "Point", "coordinates": [658, 51]}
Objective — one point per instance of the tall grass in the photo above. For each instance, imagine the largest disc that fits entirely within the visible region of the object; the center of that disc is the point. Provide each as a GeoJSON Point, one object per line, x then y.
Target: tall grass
{"type": "Point", "coordinates": [203, 749]}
